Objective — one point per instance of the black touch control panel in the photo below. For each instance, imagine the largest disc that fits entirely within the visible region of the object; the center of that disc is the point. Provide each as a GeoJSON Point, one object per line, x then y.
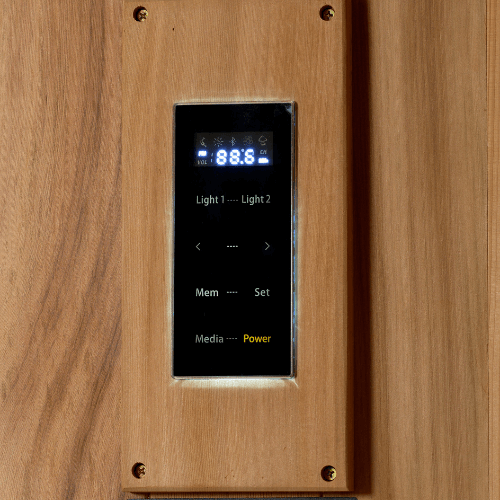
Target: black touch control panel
{"type": "Point", "coordinates": [233, 240]}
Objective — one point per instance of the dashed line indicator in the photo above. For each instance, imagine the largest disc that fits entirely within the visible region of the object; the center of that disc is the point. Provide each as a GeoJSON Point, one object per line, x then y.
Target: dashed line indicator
{"type": "Point", "coordinates": [232, 246]}
{"type": "Point", "coordinates": [231, 292]}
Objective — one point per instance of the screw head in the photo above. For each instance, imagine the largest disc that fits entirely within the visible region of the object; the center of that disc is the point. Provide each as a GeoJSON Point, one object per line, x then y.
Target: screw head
{"type": "Point", "coordinates": [141, 15]}
{"type": "Point", "coordinates": [139, 470]}
{"type": "Point", "coordinates": [327, 13]}
{"type": "Point", "coordinates": [328, 473]}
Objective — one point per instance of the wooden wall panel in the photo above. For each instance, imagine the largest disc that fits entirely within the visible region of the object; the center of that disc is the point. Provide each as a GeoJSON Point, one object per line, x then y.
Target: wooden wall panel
{"type": "Point", "coordinates": [60, 245]}
{"type": "Point", "coordinates": [420, 237]}
{"type": "Point", "coordinates": [421, 250]}
{"type": "Point", "coordinates": [493, 29]}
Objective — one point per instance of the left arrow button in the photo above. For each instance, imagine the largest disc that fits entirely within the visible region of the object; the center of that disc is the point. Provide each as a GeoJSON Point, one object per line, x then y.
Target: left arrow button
{"type": "Point", "coordinates": [198, 246]}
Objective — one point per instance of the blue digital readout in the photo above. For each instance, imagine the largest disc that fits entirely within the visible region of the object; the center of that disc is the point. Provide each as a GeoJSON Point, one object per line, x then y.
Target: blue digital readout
{"type": "Point", "coordinates": [234, 149]}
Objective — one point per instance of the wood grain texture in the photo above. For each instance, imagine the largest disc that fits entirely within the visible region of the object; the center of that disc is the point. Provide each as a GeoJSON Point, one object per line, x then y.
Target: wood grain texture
{"type": "Point", "coordinates": [236, 435]}
{"type": "Point", "coordinates": [60, 245]}
{"type": "Point", "coordinates": [419, 121]}
{"type": "Point", "coordinates": [421, 392]}
{"type": "Point", "coordinates": [493, 50]}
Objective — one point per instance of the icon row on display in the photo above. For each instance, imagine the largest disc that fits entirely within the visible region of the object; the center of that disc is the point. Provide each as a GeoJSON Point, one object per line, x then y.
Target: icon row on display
{"type": "Point", "coordinates": [247, 141]}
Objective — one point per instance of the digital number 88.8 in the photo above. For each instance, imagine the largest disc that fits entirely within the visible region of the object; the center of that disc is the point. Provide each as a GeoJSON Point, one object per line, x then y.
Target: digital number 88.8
{"type": "Point", "coordinates": [234, 157]}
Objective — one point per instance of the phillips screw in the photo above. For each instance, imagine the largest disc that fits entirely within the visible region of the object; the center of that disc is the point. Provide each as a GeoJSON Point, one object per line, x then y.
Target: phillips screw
{"type": "Point", "coordinates": [327, 13]}
{"type": "Point", "coordinates": [328, 473]}
{"type": "Point", "coordinates": [140, 14]}
{"type": "Point", "coordinates": [139, 470]}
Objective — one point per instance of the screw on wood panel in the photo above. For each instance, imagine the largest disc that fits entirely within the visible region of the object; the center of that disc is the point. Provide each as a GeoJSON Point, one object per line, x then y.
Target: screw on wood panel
{"type": "Point", "coordinates": [139, 470]}
{"type": "Point", "coordinates": [328, 473]}
{"type": "Point", "coordinates": [140, 14]}
{"type": "Point", "coordinates": [327, 13]}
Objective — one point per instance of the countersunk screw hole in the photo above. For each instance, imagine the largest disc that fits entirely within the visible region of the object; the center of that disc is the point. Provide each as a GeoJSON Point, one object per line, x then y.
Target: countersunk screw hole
{"type": "Point", "coordinates": [326, 13]}
{"type": "Point", "coordinates": [140, 14]}
{"type": "Point", "coordinates": [139, 470]}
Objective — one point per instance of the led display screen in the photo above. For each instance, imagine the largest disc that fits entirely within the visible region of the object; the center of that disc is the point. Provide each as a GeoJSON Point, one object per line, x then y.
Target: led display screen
{"type": "Point", "coordinates": [234, 149]}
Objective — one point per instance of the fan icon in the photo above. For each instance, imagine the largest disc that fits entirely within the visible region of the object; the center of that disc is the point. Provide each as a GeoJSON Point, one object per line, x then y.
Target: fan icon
{"type": "Point", "coordinates": [247, 140]}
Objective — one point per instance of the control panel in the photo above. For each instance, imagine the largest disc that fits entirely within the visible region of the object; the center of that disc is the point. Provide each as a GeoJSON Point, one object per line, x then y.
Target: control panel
{"type": "Point", "coordinates": [233, 240]}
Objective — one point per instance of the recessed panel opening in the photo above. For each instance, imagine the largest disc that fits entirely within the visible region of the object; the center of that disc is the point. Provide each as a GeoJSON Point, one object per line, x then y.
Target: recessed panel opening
{"type": "Point", "coordinates": [233, 286]}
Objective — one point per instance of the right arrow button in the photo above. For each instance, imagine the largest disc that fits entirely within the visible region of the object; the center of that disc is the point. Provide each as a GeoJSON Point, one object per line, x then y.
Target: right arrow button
{"type": "Point", "coordinates": [267, 248]}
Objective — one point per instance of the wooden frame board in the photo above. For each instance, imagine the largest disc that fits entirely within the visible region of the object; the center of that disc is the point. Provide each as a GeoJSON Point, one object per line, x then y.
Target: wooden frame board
{"type": "Point", "coordinates": [237, 435]}
{"type": "Point", "coordinates": [493, 86]}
